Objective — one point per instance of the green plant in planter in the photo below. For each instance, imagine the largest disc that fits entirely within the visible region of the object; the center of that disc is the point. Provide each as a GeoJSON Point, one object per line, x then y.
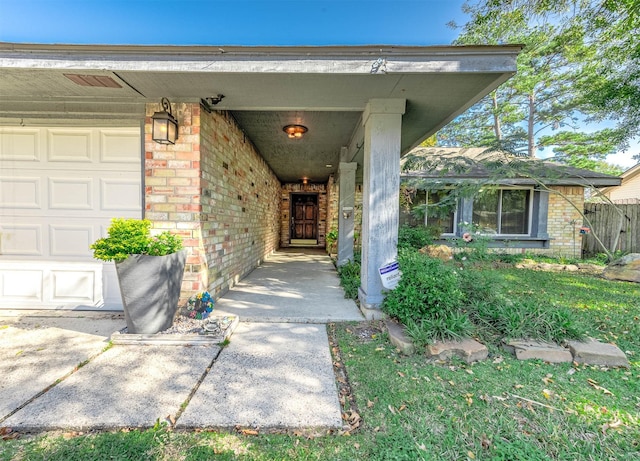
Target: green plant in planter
{"type": "Point", "coordinates": [133, 236]}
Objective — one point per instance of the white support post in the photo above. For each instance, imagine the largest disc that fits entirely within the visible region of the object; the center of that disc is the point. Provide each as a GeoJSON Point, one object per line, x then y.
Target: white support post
{"type": "Point", "coordinates": [382, 121]}
{"type": "Point", "coordinates": [346, 208]}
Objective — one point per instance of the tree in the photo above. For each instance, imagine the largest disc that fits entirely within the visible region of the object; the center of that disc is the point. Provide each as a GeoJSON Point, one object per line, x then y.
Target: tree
{"type": "Point", "coordinates": [541, 106]}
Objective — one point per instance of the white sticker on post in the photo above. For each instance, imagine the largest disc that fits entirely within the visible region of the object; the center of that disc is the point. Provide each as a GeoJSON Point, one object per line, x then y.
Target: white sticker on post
{"type": "Point", "coordinates": [390, 274]}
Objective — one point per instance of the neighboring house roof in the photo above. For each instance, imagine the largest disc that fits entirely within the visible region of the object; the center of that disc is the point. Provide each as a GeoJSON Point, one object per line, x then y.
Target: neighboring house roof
{"type": "Point", "coordinates": [629, 189]}
{"type": "Point", "coordinates": [454, 165]}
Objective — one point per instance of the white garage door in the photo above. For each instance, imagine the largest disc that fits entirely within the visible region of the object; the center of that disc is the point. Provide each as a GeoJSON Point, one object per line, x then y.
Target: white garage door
{"type": "Point", "coordinates": [59, 189]}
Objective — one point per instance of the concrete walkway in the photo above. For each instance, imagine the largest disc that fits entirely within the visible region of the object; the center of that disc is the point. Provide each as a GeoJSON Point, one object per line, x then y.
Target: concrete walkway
{"type": "Point", "coordinates": [293, 285]}
{"type": "Point", "coordinates": [276, 373]}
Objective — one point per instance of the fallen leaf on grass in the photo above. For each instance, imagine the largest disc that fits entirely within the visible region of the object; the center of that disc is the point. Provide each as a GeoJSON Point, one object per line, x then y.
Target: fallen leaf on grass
{"type": "Point", "coordinates": [353, 419]}
{"type": "Point", "coordinates": [401, 374]}
{"type": "Point", "coordinates": [392, 410]}
{"type": "Point", "coordinates": [370, 404]}
{"type": "Point", "coordinates": [547, 379]}
{"type": "Point", "coordinates": [471, 455]}
{"type": "Point", "coordinates": [244, 431]}
{"type": "Point", "coordinates": [547, 393]}
{"type": "Point", "coordinates": [612, 425]}
{"type": "Point", "coordinates": [6, 433]}
{"type": "Point", "coordinates": [595, 385]}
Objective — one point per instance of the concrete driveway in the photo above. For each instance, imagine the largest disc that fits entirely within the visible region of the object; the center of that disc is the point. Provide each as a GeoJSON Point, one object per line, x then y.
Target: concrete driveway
{"type": "Point", "coordinates": [59, 371]}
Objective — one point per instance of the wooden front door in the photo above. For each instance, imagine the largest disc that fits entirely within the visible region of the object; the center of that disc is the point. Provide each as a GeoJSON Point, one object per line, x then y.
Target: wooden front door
{"type": "Point", "coordinates": [305, 217]}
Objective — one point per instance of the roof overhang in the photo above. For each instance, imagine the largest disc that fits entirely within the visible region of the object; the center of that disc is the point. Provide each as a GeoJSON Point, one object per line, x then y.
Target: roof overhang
{"type": "Point", "coordinates": [265, 88]}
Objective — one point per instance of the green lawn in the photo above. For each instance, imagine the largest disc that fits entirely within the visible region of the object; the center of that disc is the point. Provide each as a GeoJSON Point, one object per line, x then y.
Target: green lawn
{"type": "Point", "coordinates": [500, 409]}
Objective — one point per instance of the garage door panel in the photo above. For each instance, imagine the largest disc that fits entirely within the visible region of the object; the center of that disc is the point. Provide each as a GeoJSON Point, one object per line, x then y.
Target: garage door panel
{"type": "Point", "coordinates": [71, 240]}
{"type": "Point", "coordinates": [71, 193]}
{"type": "Point", "coordinates": [17, 192]}
{"type": "Point", "coordinates": [69, 145]}
{"type": "Point", "coordinates": [75, 286]}
{"type": "Point", "coordinates": [20, 145]}
{"type": "Point", "coordinates": [21, 285]}
{"type": "Point", "coordinates": [116, 146]}
{"type": "Point", "coordinates": [120, 194]}
{"type": "Point", "coordinates": [18, 239]}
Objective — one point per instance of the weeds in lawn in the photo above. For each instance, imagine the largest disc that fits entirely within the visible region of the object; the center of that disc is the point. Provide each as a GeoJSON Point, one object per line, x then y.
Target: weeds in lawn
{"type": "Point", "coordinates": [350, 279]}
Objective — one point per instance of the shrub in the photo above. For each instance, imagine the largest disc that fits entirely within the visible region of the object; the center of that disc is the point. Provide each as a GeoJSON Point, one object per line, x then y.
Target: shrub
{"type": "Point", "coordinates": [428, 288]}
{"type": "Point", "coordinates": [439, 301]}
{"type": "Point", "coordinates": [350, 278]}
{"type": "Point", "coordinates": [416, 237]}
{"type": "Point", "coordinates": [133, 236]}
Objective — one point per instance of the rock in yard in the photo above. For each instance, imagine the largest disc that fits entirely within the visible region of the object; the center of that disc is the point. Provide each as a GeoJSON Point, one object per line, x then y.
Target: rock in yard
{"type": "Point", "coordinates": [593, 352]}
{"type": "Point", "coordinates": [442, 252]}
{"type": "Point", "coordinates": [530, 349]}
{"type": "Point", "coordinates": [398, 337]}
{"type": "Point", "coordinates": [626, 268]}
{"type": "Point", "coordinates": [468, 350]}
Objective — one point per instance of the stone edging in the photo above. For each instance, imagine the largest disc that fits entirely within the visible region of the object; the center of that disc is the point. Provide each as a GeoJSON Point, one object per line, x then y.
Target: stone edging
{"type": "Point", "coordinates": [591, 352]}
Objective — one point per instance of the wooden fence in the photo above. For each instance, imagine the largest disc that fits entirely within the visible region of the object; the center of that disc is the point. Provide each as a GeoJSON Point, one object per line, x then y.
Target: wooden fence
{"type": "Point", "coordinates": [605, 223]}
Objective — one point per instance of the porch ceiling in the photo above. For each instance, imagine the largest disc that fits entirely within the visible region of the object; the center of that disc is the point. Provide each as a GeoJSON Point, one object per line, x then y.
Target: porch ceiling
{"type": "Point", "coordinates": [323, 88]}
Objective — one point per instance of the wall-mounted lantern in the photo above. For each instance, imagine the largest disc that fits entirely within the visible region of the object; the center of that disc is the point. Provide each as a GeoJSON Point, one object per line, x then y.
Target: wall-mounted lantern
{"type": "Point", "coordinates": [164, 125]}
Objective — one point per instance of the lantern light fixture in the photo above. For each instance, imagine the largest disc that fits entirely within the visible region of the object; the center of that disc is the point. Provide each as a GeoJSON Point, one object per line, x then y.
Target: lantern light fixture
{"type": "Point", "coordinates": [164, 125]}
{"type": "Point", "coordinates": [295, 131]}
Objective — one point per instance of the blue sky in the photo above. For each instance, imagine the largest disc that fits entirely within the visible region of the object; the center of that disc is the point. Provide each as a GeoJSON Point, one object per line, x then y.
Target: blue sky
{"type": "Point", "coordinates": [230, 22]}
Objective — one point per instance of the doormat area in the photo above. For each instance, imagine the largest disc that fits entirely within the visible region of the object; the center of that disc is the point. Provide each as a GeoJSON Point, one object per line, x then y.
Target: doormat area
{"type": "Point", "coordinates": [184, 332]}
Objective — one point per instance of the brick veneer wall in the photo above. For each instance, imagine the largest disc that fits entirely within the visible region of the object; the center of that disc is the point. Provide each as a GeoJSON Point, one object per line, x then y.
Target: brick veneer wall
{"type": "Point", "coordinates": [285, 218]}
{"type": "Point", "coordinates": [564, 221]}
{"type": "Point", "coordinates": [213, 188]}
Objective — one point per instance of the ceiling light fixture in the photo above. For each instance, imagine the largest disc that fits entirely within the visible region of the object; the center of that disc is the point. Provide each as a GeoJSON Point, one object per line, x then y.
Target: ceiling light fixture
{"type": "Point", "coordinates": [164, 125]}
{"type": "Point", "coordinates": [295, 131]}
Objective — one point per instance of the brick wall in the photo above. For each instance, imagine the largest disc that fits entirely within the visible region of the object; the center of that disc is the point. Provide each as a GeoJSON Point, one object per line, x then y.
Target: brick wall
{"type": "Point", "coordinates": [564, 221]}
{"type": "Point", "coordinates": [214, 189]}
{"type": "Point", "coordinates": [285, 218]}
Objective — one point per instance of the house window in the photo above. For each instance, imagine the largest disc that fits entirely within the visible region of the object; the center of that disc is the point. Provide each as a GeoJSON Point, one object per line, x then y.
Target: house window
{"type": "Point", "coordinates": [502, 211]}
{"type": "Point", "coordinates": [439, 213]}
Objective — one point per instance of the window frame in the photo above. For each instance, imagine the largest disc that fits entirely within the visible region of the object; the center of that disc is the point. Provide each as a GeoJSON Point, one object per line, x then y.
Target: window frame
{"type": "Point", "coordinates": [455, 215]}
{"type": "Point", "coordinates": [530, 201]}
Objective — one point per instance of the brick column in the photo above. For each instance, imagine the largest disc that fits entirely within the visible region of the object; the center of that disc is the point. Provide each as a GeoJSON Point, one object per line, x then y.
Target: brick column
{"type": "Point", "coordinates": [173, 192]}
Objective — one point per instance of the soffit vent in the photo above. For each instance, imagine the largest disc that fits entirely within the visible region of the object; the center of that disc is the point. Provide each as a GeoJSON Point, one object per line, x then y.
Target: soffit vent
{"type": "Point", "coordinates": [100, 81]}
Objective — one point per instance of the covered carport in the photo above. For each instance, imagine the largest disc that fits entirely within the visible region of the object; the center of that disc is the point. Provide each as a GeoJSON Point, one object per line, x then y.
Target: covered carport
{"type": "Point", "coordinates": [363, 107]}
